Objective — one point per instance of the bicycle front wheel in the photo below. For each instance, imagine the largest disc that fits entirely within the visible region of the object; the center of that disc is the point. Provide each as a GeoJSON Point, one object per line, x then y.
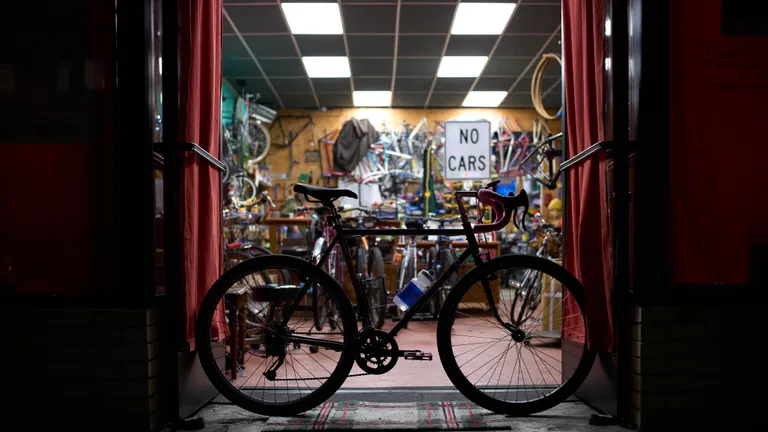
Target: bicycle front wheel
{"type": "Point", "coordinates": [246, 337]}
{"type": "Point", "coordinates": [515, 372]}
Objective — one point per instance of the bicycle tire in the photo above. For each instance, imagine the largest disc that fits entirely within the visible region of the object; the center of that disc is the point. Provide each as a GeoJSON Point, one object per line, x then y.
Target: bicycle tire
{"type": "Point", "coordinates": [244, 254]}
{"type": "Point", "coordinates": [319, 307]}
{"type": "Point", "coordinates": [338, 275]}
{"type": "Point", "coordinates": [377, 300]}
{"type": "Point", "coordinates": [407, 271]}
{"type": "Point", "coordinates": [260, 149]}
{"type": "Point", "coordinates": [444, 260]}
{"type": "Point", "coordinates": [447, 357]}
{"type": "Point", "coordinates": [245, 187]}
{"type": "Point", "coordinates": [211, 303]}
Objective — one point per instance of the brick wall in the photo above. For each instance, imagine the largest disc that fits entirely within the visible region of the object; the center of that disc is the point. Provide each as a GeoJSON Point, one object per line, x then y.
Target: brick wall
{"type": "Point", "coordinates": [698, 365]}
{"type": "Point", "coordinates": [85, 369]}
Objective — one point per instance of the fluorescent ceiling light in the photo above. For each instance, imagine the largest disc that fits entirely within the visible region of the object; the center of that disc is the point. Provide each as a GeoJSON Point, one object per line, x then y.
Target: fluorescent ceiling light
{"type": "Point", "coordinates": [481, 18]}
{"type": "Point", "coordinates": [327, 67]}
{"type": "Point", "coordinates": [478, 99]}
{"type": "Point", "coordinates": [461, 66]}
{"type": "Point", "coordinates": [378, 98]}
{"type": "Point", "coordinates": [313, 18]}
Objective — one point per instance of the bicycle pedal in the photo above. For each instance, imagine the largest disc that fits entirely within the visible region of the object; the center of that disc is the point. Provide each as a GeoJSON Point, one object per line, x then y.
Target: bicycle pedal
{"type": "Point", "coordinates": [418, 355]}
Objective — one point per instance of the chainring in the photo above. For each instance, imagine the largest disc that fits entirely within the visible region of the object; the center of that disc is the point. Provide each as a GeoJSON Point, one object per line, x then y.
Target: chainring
{"type": "Point", "coordinates": [375, 363]}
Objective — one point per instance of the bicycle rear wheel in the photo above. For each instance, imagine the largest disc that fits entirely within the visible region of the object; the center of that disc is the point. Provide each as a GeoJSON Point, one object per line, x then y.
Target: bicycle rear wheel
{"type": "Point", "coordinates": [445, 259]}
{"type": "Point", "coordinates": [377, 293]}
{"type": "Point", "coordinates": [280, 377]}
{"type": "Point", "coordinates": [545, 362]}
{"type": "Point", "coordinates": [258, 142]}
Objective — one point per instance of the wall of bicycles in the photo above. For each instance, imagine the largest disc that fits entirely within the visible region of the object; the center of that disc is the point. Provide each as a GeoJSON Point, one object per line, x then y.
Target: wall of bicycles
{"type": "Point", "coordinates": [308, 165]}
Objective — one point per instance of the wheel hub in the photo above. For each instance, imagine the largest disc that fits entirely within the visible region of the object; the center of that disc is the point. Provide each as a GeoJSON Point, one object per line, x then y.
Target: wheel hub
{"type": "Point", "coordinates": [275, 341]}
{"type": "Point", "coordinates": [518, 335]}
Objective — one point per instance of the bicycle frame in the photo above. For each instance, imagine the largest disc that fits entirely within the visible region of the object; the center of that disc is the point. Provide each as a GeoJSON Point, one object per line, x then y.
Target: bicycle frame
{"type": "Point", "coordinates": [334, 219]}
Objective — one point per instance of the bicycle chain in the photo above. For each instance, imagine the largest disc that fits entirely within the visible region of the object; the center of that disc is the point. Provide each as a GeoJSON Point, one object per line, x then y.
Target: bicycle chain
{"type": "Point", "coordinates": [317, 333]}
{"type": "Point", "coordinates": [317, 378]}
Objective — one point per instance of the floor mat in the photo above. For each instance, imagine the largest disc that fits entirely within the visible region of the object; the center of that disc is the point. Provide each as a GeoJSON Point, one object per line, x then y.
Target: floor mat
{"type": "Point", "coordinates": [389, 416]}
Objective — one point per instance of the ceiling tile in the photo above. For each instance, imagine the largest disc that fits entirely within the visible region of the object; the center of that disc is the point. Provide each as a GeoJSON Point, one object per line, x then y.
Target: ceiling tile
{"type": "Point", "coordinates": [420, 46]}
{"type": "Point", "coordinates": [451, 100]}
{"type": "Point", "coordinates": [271, 46]}
{"type": "Point", "coordinates": [226, 27]}
{"type": "Point", "coordinates": [453, 84]}
{"type": "Point", "coordinates": [257, 19]}
{"type": "Point", "coordinates": [410, 100]}
{"type": "Point", "coordinates": [321, 45]}
{"type": "Point", "coordinates": [371, 46]}
{"type": "Point", "coordinates": [369, 19]}
{"type": "Point", "coordinates": [232, 48]}
{"type": "Point", "coordinates": [517, 100]}
{"type": "Point", "coordinates": [373, 83]}
{"type": "Point", "coordinates": [329, 85]}
{"type": "Point", "coordinates": [240, 68]}
{"type": "Point", "coordinates": [367, 1]}
{"type": "Point", "coordinates": [462, 45]}
{"type": "Point", "coordinates": [413, 84]}
{"type": "Point", "coordinates": [552, 100]}
{"type": "Point", "coordinates": [371, 67]}
{"type": "Point", "coordinates": [535, 19]}
{"type": "Point", "coordinates": [505, 66]}
{"type": "Point", "coordinates": [554, 46]}
{"type": "Point", "coordinates": [525, 83]}
{"type": "Point", "coordinates": [426, 18]}
{"type": "Point", "coordinates": [291, 85]}
{"type": "Point", "coordinates": [283, 67]}
{"type": "Point", "coordinates": [525, 46]}
{"type": "Point", "coordinates": [335, 99]}
{"type": "Point", "coordinates": [490, 84]}
{"type": "Point", "coordinates": [298, 100]}
{"type": "Point", "coordinates": [258, 85]}
{"type": "Point", "coordinates": [417, 67]}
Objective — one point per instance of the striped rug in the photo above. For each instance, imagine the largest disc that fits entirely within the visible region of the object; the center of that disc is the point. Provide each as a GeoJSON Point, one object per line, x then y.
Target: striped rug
{"type": "Point", "coordinates": [389, 416]}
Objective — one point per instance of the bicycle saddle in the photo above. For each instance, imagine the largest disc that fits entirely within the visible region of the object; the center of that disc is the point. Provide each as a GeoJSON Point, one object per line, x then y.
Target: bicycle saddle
{"type": "Point", "coordinates": [414, 223]}
{"type": "Point", "coordinates": [324, 195]}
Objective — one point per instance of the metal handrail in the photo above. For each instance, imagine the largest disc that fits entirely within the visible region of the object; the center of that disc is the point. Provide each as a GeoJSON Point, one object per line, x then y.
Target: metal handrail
{"type": "Point", "coordinates": [190, 146]}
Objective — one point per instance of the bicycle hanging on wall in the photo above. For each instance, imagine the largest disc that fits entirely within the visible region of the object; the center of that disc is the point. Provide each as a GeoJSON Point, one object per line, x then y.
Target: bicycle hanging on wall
{"type": "Point", "coordinates": [476, 338]}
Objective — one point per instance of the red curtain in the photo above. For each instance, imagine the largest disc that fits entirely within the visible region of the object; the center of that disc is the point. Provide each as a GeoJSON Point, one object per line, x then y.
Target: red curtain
{"type": "Point", "coordinates": [717, 148]}
{"type": "Point", "coordinates": [588, 254]}
{"type": "Point", "coordinates": [200, 119]}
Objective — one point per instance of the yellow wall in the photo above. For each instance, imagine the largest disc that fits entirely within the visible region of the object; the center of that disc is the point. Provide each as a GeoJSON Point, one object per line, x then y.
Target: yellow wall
{"type": "Point", "coordinates": [328, 121]}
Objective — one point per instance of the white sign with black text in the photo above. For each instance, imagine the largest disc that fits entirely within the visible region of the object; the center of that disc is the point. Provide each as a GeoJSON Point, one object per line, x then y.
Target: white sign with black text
{"type": "Point", "coordinates": [468, 150]}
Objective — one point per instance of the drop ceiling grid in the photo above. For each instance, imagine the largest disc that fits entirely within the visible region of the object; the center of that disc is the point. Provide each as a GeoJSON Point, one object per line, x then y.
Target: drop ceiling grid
{"type": "Point", "coordinates": [259, 34]}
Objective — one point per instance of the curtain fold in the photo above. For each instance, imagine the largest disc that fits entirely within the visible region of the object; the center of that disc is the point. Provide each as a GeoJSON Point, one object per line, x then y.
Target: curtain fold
{"type": "Point", "coordinates": [200, 122]}
{"type": "Point", "coordinates": [588, 252]}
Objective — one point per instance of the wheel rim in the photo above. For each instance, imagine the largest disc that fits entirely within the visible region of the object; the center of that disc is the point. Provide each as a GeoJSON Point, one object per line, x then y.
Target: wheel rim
{"type": "Point", "coordinates": [498, 370]}
{"type": "Point", "coordinates": [302, 374]}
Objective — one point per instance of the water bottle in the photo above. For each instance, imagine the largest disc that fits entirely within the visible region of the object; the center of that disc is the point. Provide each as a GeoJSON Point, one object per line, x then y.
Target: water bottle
{"type": "Point", "coordinates": [411, 292]}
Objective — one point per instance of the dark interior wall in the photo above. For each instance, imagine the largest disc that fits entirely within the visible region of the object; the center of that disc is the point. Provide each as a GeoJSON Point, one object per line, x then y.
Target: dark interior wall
{"type": "Point", "coordinates": [698, 331]}
{"type": "Point", "coordinates": [57, 91]}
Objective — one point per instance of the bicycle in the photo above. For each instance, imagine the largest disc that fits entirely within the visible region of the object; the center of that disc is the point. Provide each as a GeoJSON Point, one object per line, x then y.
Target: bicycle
{"type": "Point", "coordinates": [441, 257]}
{"type": "Point", "coordinates": [529, 286]}
{"type": "Point", "coordinates": [295, 380]}
{"type": "Point", "coordinates": [409, 264]}
{"type": "Point", "coordinates": [370, 263]}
